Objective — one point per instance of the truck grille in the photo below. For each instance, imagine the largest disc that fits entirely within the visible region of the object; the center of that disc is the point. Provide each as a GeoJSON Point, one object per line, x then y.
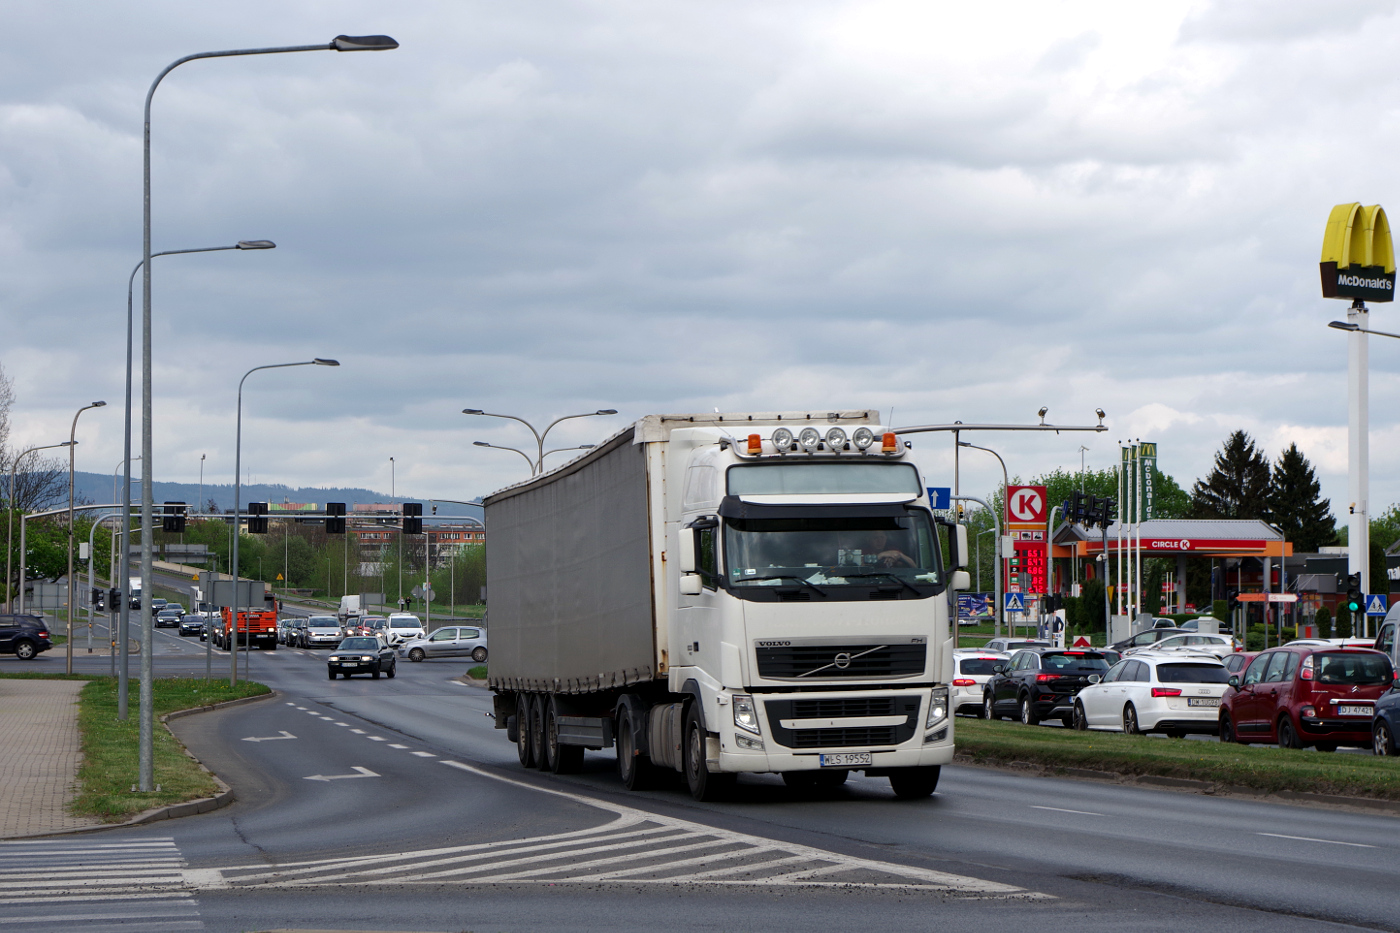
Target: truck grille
{"type": "Point", "coordinates": [836, 708]}
{"type": "Point", "coordinates": [822, 662]}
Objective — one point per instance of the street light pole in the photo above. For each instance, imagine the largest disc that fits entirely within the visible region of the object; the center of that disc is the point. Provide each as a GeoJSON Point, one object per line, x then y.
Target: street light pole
{"type": "Point", "coordinates": [237, 508]}
{"type": "Point", "coordinates": [199, 506]}
{"type": "Point", "coordinates": [538, 463]}
{"type": "Point", "coordinates": [10, 535]}
{"type": "Point", "coordinates": [72, 442]}
{"type": "Point", "coordinates": [338, 44]}
{"type": "Point", "coordinates": [1005, 491]}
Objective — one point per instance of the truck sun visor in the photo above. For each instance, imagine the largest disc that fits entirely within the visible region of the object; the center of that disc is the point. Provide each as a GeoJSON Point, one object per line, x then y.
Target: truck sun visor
{"type": "Point", "coordinates": [734, 507]}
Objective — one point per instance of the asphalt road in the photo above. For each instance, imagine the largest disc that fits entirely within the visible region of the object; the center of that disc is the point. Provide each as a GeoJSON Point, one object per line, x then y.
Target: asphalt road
{"type": "Point", "coordinates": [394, 804]}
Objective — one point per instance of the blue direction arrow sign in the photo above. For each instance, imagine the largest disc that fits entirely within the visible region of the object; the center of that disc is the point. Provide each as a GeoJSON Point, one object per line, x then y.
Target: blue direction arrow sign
{"type": "Point", "coordinates": [1015, 602]}
{"type": "Point", "coordinates": [1376, 604]}
{"type": "Point", "coordinates": [940, 497]}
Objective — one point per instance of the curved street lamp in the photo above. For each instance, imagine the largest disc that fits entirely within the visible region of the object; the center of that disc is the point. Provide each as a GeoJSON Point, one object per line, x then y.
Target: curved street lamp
{"type": "Point", "coordinates": [237, 492]}
{"type": "Point", "coordinates": [537, 465]}
{"type": "Point", "coordinates": [72, 442]}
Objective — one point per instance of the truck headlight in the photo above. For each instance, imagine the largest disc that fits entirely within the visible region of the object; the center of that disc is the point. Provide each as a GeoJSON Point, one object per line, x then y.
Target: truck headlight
{"type": "Point", "coordinates": [746, 715]}
{"type": "Point", "coordinates": [863, 438]}
{"type": "Point", "coordinates": [743, 741]}
{"type": "Point", "coordinates": [937, 706]}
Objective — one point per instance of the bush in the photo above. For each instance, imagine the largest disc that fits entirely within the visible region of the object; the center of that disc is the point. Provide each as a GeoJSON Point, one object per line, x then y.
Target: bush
{"type": "Point", "coordinates": [1324, 622]}
{"type": "Point", "coordinates": [1254, 641]}
{"type": "Point", "coordinates": [1220, 609]}
{"type": "Point", "coordinates": [1342, 628]}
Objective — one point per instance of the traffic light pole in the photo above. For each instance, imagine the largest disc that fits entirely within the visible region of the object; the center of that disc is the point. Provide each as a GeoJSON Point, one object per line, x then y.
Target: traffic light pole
{"type": "Point", "coordinates": [997, 612]}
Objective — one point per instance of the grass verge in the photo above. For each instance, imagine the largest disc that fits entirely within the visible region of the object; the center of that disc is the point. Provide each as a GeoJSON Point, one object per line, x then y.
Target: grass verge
{"type": "Point", "coordinates": [1258, 767]}
{"type": "Point", "coordinates": [111, 747]}
{"type": "Point", "coordinates": [478, 672]}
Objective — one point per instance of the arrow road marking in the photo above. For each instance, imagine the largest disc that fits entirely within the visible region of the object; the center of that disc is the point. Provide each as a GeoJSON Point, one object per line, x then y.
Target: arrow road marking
{"type": "Point", "coordinates": [269, 738]}
{"type": "Point", "coordinates": [363, 773]}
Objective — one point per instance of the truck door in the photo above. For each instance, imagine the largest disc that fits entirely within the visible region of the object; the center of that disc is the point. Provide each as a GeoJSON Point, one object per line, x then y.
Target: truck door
{"type": "Point", "coordinates": [698, 616]}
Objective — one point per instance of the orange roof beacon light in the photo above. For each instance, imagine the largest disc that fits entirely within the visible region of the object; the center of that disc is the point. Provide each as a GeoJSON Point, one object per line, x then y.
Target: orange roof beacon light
{"type": "Point", "coordinates": [889, 444]}
{"type": "Point", "coordinates": [755, 444]}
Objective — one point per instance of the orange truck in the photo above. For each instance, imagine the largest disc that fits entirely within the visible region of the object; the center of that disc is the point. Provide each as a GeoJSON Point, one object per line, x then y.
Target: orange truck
{"type": "Point", "coordinates": [256, 628]}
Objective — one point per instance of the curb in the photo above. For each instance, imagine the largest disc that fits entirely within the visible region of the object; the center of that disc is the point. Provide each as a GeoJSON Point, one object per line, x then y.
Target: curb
{"type": "Point", "coordinates": [223, 798]}
{"type": "Point", "coordinates": [1190, 785]}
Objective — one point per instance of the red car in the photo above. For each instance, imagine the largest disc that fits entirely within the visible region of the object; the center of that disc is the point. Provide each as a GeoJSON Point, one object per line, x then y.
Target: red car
{"type": "Point", "coordinates": [1306, 695]}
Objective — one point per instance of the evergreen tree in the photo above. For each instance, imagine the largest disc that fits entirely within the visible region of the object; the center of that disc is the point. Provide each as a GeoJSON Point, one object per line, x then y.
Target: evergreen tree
{"type": "Point", "coordinates": [1238, 487]}
{"type": "Point", "coordinates": [1297, 506]}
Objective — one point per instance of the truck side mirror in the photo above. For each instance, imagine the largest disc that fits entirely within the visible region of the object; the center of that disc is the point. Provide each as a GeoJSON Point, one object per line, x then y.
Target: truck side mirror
{"type": "Point", "coordinates": [686, 551]}
{"type": "Point", "coordinates": [690, 584]}
{"type": "Point", "coordinates": [960, 538]}
{"type": "Point", "coordinates": [961, 579]}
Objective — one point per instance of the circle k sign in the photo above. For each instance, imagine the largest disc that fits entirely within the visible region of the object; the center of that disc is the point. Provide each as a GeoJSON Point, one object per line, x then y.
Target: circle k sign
{"type": "Point", "coordinates": [1025, 504]}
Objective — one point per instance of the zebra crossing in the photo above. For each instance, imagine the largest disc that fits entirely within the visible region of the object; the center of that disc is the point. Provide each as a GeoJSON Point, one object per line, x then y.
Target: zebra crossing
{"type": "Point", "coordinates": [91, 884]}
{"type": "Point", "coordinates": [634, 848]}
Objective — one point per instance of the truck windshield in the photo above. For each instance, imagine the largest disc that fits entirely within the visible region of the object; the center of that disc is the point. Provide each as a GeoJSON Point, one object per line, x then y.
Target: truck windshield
{"type": "Point", "coordinates": [836, 551]}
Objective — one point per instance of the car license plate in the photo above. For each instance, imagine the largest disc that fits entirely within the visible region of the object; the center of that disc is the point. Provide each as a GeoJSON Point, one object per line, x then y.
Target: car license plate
{"type": "Point", "coordinates": [1203, 701]}
{"type": "Point", "coordinates": [844, 759]}
{"type": "Point", "coordinates": [1354, 710]}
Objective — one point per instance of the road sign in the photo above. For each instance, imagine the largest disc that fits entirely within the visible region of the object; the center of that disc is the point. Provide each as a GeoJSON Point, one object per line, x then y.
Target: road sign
{"type": "Point", "coordinates": [1253, 597]}
{"type": "Point", "coordinates": [1082, 642]}
{"type": "Point", "coordinates": [1014, 602]}
{"type": "Point", "coordinates": [429, 594]}
{"type": "Point", "coordinates": [940, 497]}
{"type": "Point", "coordinates": [1286, 598]}
{"type": "Point", "coordinates": [1026, 504]}
{"type": "Point", "coordinates": [279, 576]}
{"type": "Point", "coordinates": [1376, 604]}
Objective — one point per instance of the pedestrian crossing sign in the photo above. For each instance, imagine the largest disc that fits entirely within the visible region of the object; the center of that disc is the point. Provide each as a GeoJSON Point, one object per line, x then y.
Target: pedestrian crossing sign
{"type": "Point", "coordinates": [1015, 602]}
{"type": "Point", "coordinates": [1375, 604]}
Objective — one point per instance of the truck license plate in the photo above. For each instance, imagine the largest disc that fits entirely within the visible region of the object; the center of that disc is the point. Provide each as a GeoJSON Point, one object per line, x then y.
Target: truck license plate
{"type": "Point", "coordinates": [1354, 710]}
{"type": "Point", "coordinates": [844, 759]}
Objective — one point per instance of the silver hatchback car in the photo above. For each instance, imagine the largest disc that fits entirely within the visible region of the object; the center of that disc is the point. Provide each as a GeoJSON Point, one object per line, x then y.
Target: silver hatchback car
{"type": "Point", "coordinates": [450, 641]}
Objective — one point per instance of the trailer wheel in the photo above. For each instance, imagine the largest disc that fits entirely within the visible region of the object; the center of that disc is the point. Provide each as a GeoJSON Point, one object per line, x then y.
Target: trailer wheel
{"type": "Point", "coordinates": [537, 743]}
{"type": "Point", "coordinates": [522, 731]}
{"type": "Point", "coordinates": [635, 769]}
{"type": "Point", "coordinates": [704, 784]}
{"type": "Point", "coordinates": [563, 759]}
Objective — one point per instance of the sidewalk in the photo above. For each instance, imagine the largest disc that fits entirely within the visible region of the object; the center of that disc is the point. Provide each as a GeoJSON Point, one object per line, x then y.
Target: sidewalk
{"type": "Point", "coordinates": [39, 756]}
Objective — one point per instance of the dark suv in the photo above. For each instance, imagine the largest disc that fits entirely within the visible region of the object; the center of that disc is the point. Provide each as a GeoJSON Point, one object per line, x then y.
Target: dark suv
{"type": "Point", "coordinates": [1306, 695]}
{"type": "Point", "coordinates": [1040, 683]}
{"type": "Point", "coordinates": [23, 636]}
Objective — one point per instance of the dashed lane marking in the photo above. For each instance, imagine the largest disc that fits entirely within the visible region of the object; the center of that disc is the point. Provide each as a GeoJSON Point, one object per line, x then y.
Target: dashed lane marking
{"type": "Point", "coordinates": [1330, 842]}
{"type": "Point", "coordinates": [423, 754]}
{"type": "Point", "coordinates": [1063, 810]}
{"type": "Point", "coordinates": [398, 746]}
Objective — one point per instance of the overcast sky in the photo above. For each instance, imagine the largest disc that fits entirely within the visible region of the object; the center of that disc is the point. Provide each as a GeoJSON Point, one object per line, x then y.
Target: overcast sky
{"type": "Point", "coordinates": [955, 211]}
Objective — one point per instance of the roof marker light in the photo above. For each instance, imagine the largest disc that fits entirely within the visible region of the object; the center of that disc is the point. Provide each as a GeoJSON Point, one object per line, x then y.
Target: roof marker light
{"type": "Point", "coordinates": [755, 444]}
{"type": "Point", "coordinates": [889, 443]}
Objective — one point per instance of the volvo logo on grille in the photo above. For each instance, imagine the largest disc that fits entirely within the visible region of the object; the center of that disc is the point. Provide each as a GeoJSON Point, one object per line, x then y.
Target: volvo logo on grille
{"type": "Point", "coordinates": [843, 660]}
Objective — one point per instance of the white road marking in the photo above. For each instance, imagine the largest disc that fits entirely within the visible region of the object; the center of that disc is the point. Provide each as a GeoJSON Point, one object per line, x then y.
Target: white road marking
{"type": "Point", "coordinates": [362, 773]}
{"type": "Point", "coordinates": [398, 746]}
{"type": "Point", "coordinates": [358, 731]}
{"type": "Point", "coordinates": [423, 754]}
{"type": "Point", "coordinates": [269, 738]}
{"type": "Point", "coordinates": [346, 724]}
{"type": "Point", "coordinates": [1331, 842]}
{"type": "Point", "coordinates": [376, 738]}
{"type": "Point", "coordinates": [1063, 810]}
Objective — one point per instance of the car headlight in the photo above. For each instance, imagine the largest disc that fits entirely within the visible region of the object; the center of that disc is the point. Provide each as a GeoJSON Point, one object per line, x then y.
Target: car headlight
{"type": "Point", "coordinates": [335, 657]}
{"type": "Point", "coordinates": [937, 706]}
{"type": "Point", "coordinates": [366, 657]}
{"type": "Point", "coordinates": [746, 715]}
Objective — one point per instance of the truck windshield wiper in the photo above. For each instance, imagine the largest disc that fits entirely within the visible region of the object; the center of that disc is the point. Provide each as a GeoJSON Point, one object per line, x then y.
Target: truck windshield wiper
{"type": "Point", "coordinates": [885, 573]}
{"type": "Point", "coordinates": [788, 576]}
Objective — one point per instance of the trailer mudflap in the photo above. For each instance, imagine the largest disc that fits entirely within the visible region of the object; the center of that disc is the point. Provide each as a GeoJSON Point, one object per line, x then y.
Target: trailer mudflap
{"type": "Point", "coordinates": [588, 731]}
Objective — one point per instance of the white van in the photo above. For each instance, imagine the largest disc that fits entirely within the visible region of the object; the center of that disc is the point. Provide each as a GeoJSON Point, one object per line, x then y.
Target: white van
{"type": "Point", "coordinates": [402, 627]}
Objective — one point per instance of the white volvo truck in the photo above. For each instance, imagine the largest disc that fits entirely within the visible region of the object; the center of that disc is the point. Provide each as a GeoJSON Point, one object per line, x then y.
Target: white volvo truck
{"type": "Point", "coordinates": [720, 594]}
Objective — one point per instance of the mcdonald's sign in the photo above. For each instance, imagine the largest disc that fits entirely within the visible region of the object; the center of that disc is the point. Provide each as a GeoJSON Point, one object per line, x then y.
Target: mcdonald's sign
{"type": "Point", "coordinates": [1358, 258]}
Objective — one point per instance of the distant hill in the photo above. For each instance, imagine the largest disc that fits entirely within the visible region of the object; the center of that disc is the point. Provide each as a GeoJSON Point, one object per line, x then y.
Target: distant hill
{"type": "Point", "coordinates": [97, 488]}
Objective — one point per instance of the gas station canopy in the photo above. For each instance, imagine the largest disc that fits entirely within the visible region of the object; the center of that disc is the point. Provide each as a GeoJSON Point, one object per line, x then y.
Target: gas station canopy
{"type": "Point", "coordinates": [1173, 537]}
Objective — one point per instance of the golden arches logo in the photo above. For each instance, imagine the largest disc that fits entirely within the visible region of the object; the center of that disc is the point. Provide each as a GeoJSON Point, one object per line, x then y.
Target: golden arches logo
{"type": "Point", "coordinates": [1358, 255]}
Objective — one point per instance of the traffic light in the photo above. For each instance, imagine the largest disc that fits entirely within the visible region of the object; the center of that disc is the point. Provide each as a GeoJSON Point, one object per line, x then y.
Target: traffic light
{"type": "Point", "coordinates": [97, 597]}
{"type": "Point", "coordinates": [1110, 511]}
{"type": "Point", "coordinates": [1077, 510]}
{"type": "Point", "coordinates": [174, 517]}
{"type": "Point", "coordinates": [335, 518]}
{"type": "Point", "coordinates": [257, 518]}
{"type": "Point", "coordinates": [1232, 599]}
{"type": "Point", "coordinates": [413, 518]}
{"type": "Point", "coordinates": [1355, 600]}
{"type": "Point", "coordinates": [114, 599]}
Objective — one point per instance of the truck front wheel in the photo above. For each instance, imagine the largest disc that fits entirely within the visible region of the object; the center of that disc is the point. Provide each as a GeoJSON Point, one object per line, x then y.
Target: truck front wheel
{"type": "Point", "coordinates": [636, 770]}
{"type": "Point", "coordinates": [912, 783]}
{"type": "Point", "coordinates": [704, 783]}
